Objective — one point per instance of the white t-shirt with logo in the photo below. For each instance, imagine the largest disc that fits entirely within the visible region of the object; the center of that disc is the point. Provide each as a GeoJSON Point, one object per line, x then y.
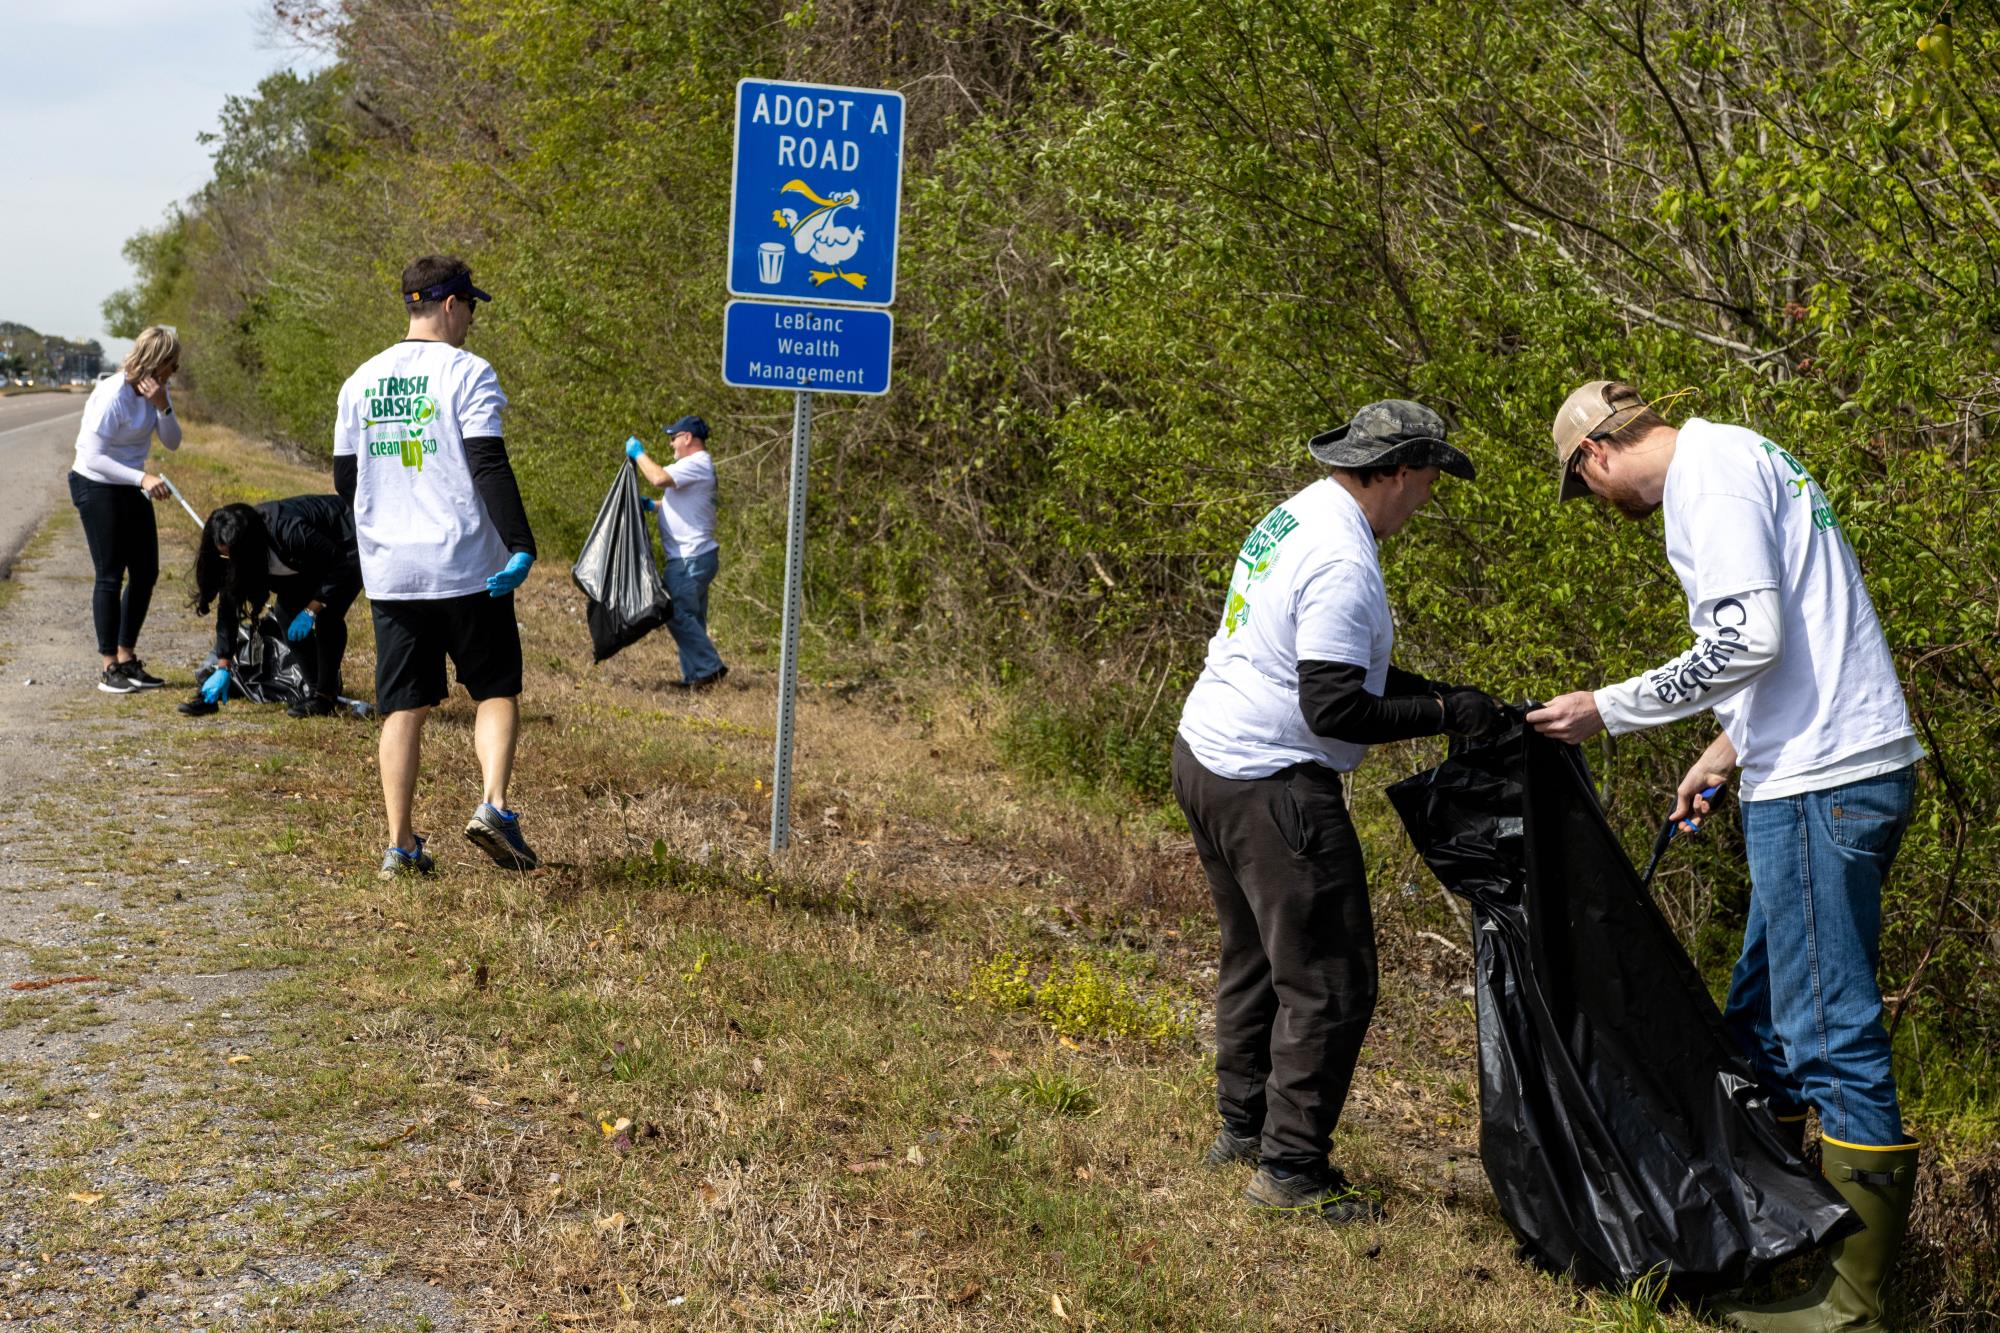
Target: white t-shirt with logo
{"type": "Point", "coordinates": [1743, 514]}
{"type": "Point", "coordinates": [687, 508]}
{"type": "Point", "coordinates": [1307, 586]}
{"type": "Point", "coordinates": [405, 417]}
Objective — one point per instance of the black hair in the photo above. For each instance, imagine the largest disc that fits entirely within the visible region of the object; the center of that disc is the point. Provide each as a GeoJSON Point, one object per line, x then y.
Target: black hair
{"type": "Point", "coordinates": [429, 271]}
{"type": "Point", "coordinates": [242, 581]}
{"type": "Point", "coordinates": [1368, 476]}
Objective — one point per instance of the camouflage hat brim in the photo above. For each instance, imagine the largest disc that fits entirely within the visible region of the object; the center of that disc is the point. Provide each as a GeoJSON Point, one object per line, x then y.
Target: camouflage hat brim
{"type": "Point", "coordinates": [1392, 433]}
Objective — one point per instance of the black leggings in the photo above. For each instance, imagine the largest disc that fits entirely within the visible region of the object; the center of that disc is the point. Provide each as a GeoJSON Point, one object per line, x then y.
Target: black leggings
{"type": "Point", "coordinates": [125, 548]}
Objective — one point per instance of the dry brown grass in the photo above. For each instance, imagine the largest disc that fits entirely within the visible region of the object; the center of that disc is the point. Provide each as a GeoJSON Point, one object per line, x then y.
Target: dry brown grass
{"type": "Point", "coordinates": [822, 1132]}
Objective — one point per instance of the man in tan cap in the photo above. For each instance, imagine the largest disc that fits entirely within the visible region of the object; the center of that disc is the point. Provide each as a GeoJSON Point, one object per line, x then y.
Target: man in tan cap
{"type": "Point", "coordinates": [1789, 655]}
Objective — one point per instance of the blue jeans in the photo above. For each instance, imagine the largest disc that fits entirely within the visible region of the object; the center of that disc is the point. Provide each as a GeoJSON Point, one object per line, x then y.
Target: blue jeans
{"type": "Point", "coordinates": [1803, 1003]}
{"type": "Point", "coordinates": [687, 583]}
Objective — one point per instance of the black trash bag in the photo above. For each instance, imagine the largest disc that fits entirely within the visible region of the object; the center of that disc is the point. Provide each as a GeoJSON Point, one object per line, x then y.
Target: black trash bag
{"type": "Point", "coordinates": [1622, 1133]}
{"type": "Point", "coordinates": [616, 571]}
{"type": "Point", "coordinates": [265, 669]}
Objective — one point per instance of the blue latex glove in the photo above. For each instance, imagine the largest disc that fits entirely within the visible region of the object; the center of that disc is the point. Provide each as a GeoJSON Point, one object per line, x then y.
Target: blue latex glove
{"type": "Point", "coordinates": [634, 446]}
{"type": "Point", "coordinates": [647, 503]}
{"type": "Point", "coordinates": [510, 578]}
{"type": "Point", "coordinates": [302, 625]}
{"type": "Point", "coordinates": [216, 688]}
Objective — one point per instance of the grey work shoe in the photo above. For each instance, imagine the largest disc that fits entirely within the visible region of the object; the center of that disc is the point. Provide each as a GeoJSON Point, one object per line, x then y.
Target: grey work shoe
{"type": "Point", "coordinates": [1229, 1149]}
{"type": "Point", "coordinates": [396, 862]}
{"type": "Point", "coordinates": [1326, 1195]}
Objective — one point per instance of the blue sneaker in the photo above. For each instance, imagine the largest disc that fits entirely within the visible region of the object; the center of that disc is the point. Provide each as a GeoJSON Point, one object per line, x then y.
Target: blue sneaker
{"type": "Point", "coordinates": [497, 832]}
{"type": "Point", "coordinates": [397, 862]}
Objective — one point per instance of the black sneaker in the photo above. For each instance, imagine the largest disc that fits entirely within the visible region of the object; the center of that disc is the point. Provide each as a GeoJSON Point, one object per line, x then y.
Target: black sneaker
{"type": "Point", "coordinates": [135, 671]}
{"type": "Point", "coordinates": [1230, 1148]}
{"type": "Point", "coordinates": [709, 682]}
{"type": "Point", "coordinates": [197, 706]}
{"type": "Point", "coordinates": [115, 681]}
{"type": "Point", "coordinates": [1325, 1194]}
{"type": "Point", "coordinates": [318, 705]}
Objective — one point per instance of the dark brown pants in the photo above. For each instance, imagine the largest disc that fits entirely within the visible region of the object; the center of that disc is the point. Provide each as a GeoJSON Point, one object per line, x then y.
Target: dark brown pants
{"type": "Point", "coordinates": [1297, 983]}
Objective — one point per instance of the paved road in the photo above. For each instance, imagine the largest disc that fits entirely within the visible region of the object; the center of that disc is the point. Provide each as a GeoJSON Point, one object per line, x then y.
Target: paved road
{"type": "Point", "coordinates": [37, 441]}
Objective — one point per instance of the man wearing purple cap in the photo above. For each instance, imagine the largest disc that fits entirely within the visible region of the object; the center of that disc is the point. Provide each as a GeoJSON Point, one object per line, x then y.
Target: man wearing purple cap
{"type": "Point", "coordinates": [1296, 686]}
{"type": "Point", "coordinates": [686, 512]}
{"type": "Point", "coordinates": [1791, 658]}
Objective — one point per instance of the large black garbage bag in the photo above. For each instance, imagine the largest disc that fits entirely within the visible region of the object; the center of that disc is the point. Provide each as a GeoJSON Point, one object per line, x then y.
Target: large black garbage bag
{"type": "Point", "coordinates": [265, 668]}
{"type": "Point", "coordinates": [1622, 1133]}
{"type": "Point", "coordinates": [616, 571]}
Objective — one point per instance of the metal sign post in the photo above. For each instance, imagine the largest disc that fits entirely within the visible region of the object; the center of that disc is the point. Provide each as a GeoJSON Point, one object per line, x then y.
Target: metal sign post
{"type": "Point", "coordinates": [788, 651]}
{"type": "Point", "coordinates": [815, 196]}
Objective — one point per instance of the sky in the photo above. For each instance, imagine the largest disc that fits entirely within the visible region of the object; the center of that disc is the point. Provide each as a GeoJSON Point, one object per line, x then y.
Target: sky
{"type": "Point", "coordinates": [100, 103]}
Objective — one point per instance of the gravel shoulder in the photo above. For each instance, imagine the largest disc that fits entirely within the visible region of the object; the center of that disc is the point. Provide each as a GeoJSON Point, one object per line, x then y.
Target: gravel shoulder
{"type": "Point", "coordinates": [147, 1181]}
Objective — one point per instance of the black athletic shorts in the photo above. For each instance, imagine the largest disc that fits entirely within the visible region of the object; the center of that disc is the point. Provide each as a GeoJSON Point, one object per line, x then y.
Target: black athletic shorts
{"type": "Point", "coordinates": [412, 639]}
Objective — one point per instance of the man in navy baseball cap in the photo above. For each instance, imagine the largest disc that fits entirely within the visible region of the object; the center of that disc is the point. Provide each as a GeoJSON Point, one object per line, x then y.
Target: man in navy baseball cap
{"type": "Point", "coordinates": [686, 512]}
{"type": "Point", "coordinates": [457, 284]}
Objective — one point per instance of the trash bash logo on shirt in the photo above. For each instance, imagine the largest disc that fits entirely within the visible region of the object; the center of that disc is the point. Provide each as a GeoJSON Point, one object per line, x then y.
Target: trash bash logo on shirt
{"type": "Point", "coordinates": [1803, 487]}
{"type": "Point", "coordinates": [401, 401]}
{"type": "Point", "coordinates": [1253, 565]}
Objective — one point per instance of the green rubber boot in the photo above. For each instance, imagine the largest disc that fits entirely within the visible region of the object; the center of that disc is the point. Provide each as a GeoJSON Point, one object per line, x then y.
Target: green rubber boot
{"type": "Point", "coordinates": [1878, 1184]}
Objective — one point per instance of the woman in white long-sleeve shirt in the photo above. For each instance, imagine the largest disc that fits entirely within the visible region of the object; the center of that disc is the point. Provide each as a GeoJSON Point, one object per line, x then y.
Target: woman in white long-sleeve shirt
{"type": "Point", "coordinates": [113, 493]}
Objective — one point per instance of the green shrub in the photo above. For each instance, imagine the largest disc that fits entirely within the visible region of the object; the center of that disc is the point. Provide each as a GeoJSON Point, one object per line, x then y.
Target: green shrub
{"type": "Point", "coordinates": [1636, 1309]}
{"type": "Point", "coordinates": [1077, 1000]}
{"type": "Point", "coordinates": [1116, 737]}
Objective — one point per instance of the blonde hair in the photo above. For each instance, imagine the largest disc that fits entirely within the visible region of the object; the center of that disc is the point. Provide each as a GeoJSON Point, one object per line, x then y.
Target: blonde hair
{"type": "Point", "coordinates": [153, 350]}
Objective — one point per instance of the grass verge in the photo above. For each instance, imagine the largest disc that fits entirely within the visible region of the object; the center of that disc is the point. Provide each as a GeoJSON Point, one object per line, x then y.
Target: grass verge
{"type": "Point", "coordinates": [671, 1081]}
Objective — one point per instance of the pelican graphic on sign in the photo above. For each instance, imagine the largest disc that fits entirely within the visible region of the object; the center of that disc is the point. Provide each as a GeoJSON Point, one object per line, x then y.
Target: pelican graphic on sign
{"type": "Point", "coordinates": [819, 237]}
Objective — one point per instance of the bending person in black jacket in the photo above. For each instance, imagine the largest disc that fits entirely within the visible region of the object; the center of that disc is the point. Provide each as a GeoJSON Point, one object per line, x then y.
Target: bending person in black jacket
{"type": "Point", "coordinates": [299, 551]}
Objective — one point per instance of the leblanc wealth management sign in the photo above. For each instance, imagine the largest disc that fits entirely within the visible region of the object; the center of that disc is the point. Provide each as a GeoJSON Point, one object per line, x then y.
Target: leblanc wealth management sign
{"type": "Point", "coordinates": [828, 349]}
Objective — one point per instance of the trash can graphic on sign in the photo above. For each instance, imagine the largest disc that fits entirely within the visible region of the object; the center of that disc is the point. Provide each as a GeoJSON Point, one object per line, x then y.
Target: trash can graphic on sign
{"type": "Point", "coordinates": [817, 186]}
{"type": "Point", "coordinates": [770, 263]}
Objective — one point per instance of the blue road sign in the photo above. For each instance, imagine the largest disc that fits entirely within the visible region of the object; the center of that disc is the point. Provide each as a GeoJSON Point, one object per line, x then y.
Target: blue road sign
{"type": "Point", "coordinates": [826, 349]}
{"type": "Point", "coordinates": [816, 189]}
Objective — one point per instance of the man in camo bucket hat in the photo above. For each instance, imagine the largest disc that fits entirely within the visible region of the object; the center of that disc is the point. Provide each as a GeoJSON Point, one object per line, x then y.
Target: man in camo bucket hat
{"type": "Point", "coordinates": [1393, 432]}
{"type": "Point", "coordinates": [1297, 685]}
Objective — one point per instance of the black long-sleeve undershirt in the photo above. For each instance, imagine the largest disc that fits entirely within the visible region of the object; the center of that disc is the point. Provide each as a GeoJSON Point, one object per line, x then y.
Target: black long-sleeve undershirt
{"type": "Point", "coordinates": [492, 477]}
{"type": "Point", "coordinates": [1335, 700]}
